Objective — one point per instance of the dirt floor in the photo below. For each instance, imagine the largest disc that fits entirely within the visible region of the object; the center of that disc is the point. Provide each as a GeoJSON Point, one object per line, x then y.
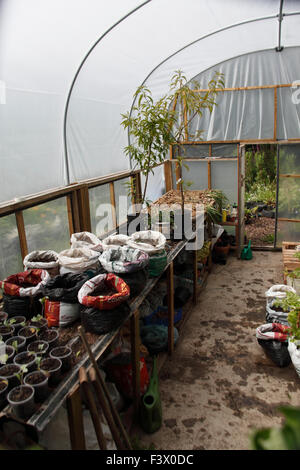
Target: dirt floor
{"type": "Point", "coordinates": [219, 386]}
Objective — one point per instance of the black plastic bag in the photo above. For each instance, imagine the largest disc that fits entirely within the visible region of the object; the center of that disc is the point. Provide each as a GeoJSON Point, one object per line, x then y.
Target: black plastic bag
{"type": "Point", "coordinates": [26, 306]}
{"type": "Point", "coordinates": [65, 287]}
{"type": "Point", "coordinates": [136, 281]}
{"type": "Point", "coordinates": [101, 322]}
{"type": "Point", "coordinates": [277, 351]}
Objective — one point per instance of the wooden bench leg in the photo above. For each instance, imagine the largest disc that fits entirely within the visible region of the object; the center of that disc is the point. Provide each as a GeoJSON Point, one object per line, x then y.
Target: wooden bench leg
{"type": "Point", "coordinates": [75, 419]}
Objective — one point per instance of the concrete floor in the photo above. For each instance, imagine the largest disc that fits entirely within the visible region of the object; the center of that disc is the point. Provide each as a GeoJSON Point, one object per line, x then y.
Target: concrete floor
{"type": "Point", "coordinates": [219, 385]}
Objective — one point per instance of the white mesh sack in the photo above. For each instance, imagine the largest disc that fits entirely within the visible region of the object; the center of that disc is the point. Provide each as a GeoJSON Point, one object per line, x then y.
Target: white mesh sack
{"type": "Point", "coordinates": [78, 260]}
{"type": "Point", "coordinates": [86, 240]}
{"type": "Point", "coordinates": [278, 291]}
{"type": "Point", "coordinates": [113, 241]}
{"type": "Point", "coordinates": [47, 260]}
{"type": "Point", "coordinates": [149, 241]}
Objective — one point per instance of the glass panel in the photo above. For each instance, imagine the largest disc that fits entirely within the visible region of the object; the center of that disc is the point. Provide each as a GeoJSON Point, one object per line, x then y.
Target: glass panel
{"type": "Point", "coordinates": [224, 150]}
{"type": "Point", "coordinates": [196, 175]}
{"type": "Point", "coordinates": [100, 209]}
{"type": "Point", "coordinates": [123, 201]}
{"type": "Point", "coordinates": [47, 226]}
{"type": "Point", "coordinates": [191, 151]}
{"type": "Point", "coordinates": [288, 231]}
{"type": "Point", "coordinates": [289, 159]}
{"type": "Point", "coordinates": [289, 198]}
{"type": "Point", "coordinates": [10, 255]}
{"type": "Point", "coordinates": [224, 177]}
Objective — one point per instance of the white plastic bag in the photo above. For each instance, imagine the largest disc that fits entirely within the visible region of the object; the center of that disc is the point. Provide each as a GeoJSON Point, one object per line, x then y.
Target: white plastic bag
{"type": "Point", "coordinates": [114, 241]}
{"type": "Point", "coordinates": [148, 240]}
{"type": "Point", "coordinates": [61, 314]}
{"type": "Point", "coordinates": [78, 260]}
{"type": "Point", "coordinates": [276, 317]}
{"type": "Point", "coordinates": [47, 260]}
{"type": "Point", "coordinates": [86, 240]}
{"type": "Point", "coordinates": [278, 291]}
{"type": "Point", "coordinates": [295, 356]}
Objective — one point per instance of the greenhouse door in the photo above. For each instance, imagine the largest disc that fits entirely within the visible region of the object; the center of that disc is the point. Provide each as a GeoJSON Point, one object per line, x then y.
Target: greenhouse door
{"type": "Point", "coordinates": [288, 194]}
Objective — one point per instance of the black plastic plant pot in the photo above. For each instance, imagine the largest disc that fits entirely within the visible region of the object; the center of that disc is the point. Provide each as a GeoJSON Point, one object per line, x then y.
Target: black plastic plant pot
{"type": "Point", "coordinates": [29, 332]}
{"type": "Point", "coordinates": [3, 392]}
{"type": "Point", "coordinates": [41, 324]}
{"type": "Point", "coordinates": [18, 342]}
{"type": "Point", "coordinates": [7, 353]}
{"type": "Point", "coordinates": [17, 322]}
{"type": "Point", "coordinates": [64, 353]}
{"type": "Point", "coordinates": [52, 367]}
{"type": "Point", "coordinates": [27, 359]}
{"type": "Point", "coordinates": [21, 400]}
{"type": "Point", "coordinates": [50, 335]}
{"type": "Point", "coordinates": [3, 317]}
{"type": "Point", "coordinates": [39, 381]}
{"type": "Point", "coordinates": [39, 347]}
{"type": "Point", "coordinates": [10, 373]}
{"type": "Point", "coordinates": [6, 331]}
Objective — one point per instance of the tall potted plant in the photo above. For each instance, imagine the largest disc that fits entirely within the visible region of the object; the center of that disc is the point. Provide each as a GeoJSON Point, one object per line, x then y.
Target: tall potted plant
{"type": "Point", "coordinates": [155, 125]}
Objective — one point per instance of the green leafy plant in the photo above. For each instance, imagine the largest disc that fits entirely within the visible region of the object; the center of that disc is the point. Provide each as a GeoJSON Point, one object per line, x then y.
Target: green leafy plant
{"type": "Point", "coordinates": [291, 304]}
{"type": "Point", "coordinates": [20, 375]}
{"type": "Point", "coordinates": [154, 126]}
{"type": "Point", "coordinates": [293, 274]}
{"type": "Point", "coordinates": [285, 438]}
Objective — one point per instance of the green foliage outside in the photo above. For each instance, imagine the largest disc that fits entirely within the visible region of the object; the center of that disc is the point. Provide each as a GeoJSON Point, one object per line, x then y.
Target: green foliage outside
{"type": "Point", "coordinates": [261, 175]}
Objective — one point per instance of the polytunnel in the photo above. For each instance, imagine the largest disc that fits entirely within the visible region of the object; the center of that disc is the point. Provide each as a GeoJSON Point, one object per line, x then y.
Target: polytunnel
{"type": "Point", "coordinates": [69, 71]}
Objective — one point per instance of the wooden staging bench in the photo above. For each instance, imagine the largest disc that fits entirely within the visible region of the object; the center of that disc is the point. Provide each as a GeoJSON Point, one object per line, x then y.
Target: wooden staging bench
{"type": "Point", "coordinates": [289, 261]}
{"type": "Point", "coordinates": [68, 391]}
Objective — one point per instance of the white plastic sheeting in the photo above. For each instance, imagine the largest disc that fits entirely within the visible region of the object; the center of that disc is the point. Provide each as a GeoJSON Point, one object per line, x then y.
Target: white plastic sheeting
{"type": "Point", "coordinates": [43, 46]}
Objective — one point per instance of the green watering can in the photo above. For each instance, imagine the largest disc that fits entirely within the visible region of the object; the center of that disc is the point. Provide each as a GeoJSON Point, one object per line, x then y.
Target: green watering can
{"type": "Point", "coordinates": [247, 252]}
{"type": "Point", "coordinates": [150, 411]}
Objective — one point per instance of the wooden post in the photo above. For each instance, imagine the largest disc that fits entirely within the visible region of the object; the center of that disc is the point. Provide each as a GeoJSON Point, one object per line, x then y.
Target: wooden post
{"type": "Point", "coordinates": [75, 419]}
{"type": "Point", "coordinates": [135, 360]}
{"type": "Point", "coordinates": [21, 233]}
{"type": "Point", "coordinates": [113, 204]}
{"type": "Point", "coordinates": [70, 214]}
{"type": "Point", "coordinates": [168, 175]}
{"type": "Point", "coordinates": [170, 287]}
{"type": "Point", "coordinates": [84, 209]}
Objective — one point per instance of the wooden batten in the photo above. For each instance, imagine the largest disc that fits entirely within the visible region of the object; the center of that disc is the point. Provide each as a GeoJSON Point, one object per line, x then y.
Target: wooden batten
{"type": "Point", "coordinates": [21, 233]}
{"type": "Point", "coordinates": [84, 209]}
{"type": "Point", "coordinates": [168, 175]}
{"type": "Point", "coordinates": [113, 204]}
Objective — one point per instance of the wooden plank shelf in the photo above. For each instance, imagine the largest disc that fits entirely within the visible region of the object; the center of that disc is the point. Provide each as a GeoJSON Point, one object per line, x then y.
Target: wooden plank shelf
{"type": "Point", "coordinates": [289, 261]}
